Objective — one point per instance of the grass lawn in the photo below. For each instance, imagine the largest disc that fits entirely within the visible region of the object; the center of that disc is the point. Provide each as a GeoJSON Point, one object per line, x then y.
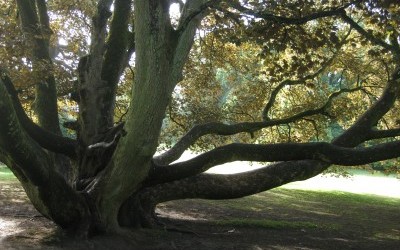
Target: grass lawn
{"type": "Point", "coordinates": [6, 174]}
{"type": "Point", "coordinates": [282, 218]}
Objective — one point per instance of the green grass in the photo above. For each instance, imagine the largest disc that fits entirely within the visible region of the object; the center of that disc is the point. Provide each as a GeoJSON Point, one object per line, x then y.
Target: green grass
{"type": "Point", "coordinates": [310, 209]}
{"type": "Point", "coordinates": [6, 174]}
{"type": "Point", "coordinates": [307, 199]}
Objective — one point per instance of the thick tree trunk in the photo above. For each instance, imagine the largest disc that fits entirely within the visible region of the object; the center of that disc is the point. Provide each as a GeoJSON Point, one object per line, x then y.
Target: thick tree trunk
{"type": "Point", "coordinates": [99, 74]}
{"type": "Point", "coordinates": [161, 53]}
{"type": "Point", "coordinates": [153, 85]}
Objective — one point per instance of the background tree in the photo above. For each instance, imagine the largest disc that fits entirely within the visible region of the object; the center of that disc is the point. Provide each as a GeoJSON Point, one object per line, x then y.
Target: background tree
{"type": "Point", "coordinates": [239, 80]}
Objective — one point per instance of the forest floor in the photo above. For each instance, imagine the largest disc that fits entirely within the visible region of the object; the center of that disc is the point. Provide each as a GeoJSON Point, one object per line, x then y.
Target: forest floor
{"type": "Point", "coordinates": [283, 218]}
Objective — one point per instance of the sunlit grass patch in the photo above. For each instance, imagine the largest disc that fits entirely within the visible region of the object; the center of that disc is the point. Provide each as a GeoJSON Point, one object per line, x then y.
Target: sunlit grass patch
{"type": "Point", "coordinates": [392, 235]}
{"type": "Point", "coordinates": [6, 174]}
{"type": "Point", "coordinates": [306, 200]}
{"type": "Point", "coordinates": [339, 197]}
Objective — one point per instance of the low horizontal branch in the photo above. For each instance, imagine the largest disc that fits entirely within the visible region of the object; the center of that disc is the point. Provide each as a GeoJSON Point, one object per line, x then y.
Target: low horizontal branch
{"type": "Point", "coordinates": [218, 186]}
{"type": "Point", "coordinates": [321, 151]}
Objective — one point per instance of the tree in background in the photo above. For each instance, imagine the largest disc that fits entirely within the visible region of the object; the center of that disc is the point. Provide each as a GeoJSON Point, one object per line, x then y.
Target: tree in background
{"type": "Point", "coordinates": [301, 85]}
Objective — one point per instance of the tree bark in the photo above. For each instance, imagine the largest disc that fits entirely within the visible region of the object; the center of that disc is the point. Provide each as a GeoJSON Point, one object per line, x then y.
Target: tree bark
{"type": "Point", "coordinates": [49, 192]}
{"type": "Point", "coordinates": [132, 158]}
{"type": "Point", "coordinates": [160, 56]}
{"type": "Point", "coordinates": [37, 31]}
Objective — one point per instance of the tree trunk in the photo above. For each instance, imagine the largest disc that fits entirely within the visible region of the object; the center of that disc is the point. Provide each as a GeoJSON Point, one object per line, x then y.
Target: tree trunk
{"type": "Point", "coordinates": [153, 85]}
{"type": "Point", "coordinates": [160, 55]}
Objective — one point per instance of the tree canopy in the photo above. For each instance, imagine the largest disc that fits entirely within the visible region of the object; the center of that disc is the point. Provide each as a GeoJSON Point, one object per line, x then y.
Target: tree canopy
{"type": "Point", "coordinates": [98, 99]}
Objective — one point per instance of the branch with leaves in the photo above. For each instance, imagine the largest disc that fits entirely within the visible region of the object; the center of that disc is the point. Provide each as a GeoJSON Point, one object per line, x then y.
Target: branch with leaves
{"type": "Point", "coordinates": [336, 11]}
{"type": "Point", "coordinates": [364, 33]}
{"type": "Point", "coordinates": [289, 82]}
{"type": "Point", "coordinates": [322, 151]}
{"type": "Point", "coordinates": [194, 10]}
{"type": "Point", "coordinates": [362, 128]}
{"type": "Point", "coordinates": [230, 129]}
{"type": "Point", "coordinates": [200, 185]}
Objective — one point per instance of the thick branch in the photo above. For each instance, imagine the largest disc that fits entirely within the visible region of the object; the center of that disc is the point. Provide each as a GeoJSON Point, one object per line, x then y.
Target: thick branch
{"type": "Point", "coordinates": [234, 186]}
{"type": "Point", "coordinates": [240, 185]}
{"type": "Point", "coordinates": [192, 10]}
{"type": "Point", "coordinates": [218, 186]}
{"type": "Point", "coordinates": [95, 114]}
{"type": "Point", "coordinates": [157, 64]}
{"type": "Point", "coordinates": [17, 146]}
{"type": "Point", "coordinates": [322, 151]}
{"type": "Point", "coordinates": [37, 30]}
{"type": "Point", "coordinates": [44, 138]}
{"type": "Point", "coordinates": [116, 54]}
{"type": "Point", "coordinates": [360, 130]}
{"type": "Point", "coordinates": [34, 169]}
{"type": "Point", "coordinates": [379, 134]}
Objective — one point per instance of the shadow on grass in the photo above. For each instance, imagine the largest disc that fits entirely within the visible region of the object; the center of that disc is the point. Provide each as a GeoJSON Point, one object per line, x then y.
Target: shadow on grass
{"type": "Point", "coordinates": [277, 219]}
{"type": "Point", "coordinates": [290, 219]}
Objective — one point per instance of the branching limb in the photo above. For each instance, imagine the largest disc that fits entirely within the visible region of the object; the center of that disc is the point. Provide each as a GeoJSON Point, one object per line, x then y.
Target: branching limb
{"type": "Point", "coordinates": [44, 138]}
{"type": "Point", "coordinates": [35, 24]}
{"type": "Point", "coordinates": [224, 129]}
{"type": "Point", "coordinates": [290, 20]}
{"type": "Point", "coordinates": [218, 186]}
{"type": "Point", "coordinates": [238, 185]}
{"type": "Point", "coordinates": [365, 33]}
{"type": "Point", "coordinates": [361, 129]}
{"type": "Point", "coordinates": [18, 148]}
{"type": "Point", "coordinates": [182, 38]}
{"type": "Point", "coordinates": [117, 45]}
{"type": "Point", "coordinates": [43, 17]}
{"type": "Point", "coordinates": [358, 133]}
{"type": "Point", "coordinates": [96, 104]}
{"type": "Point", "coordinates": [192, 10]}
{"type": "Point", "coordinates": [289, 82]}
{"type": "Point", "coordinates": [210, 186]}
{"type": "Point", "coordinates": [321, 151]}
{"type": "Point", "coordinates": [33, 167]}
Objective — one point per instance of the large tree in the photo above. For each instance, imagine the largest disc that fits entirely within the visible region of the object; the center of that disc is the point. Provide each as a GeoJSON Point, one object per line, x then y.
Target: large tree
{"type": "Point", "coordinates": [109, 175]}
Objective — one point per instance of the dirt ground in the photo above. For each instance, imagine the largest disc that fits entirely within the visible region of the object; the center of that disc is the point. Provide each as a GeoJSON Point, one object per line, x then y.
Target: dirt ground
{"type": "Point", "coordinates": [279, 219]}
